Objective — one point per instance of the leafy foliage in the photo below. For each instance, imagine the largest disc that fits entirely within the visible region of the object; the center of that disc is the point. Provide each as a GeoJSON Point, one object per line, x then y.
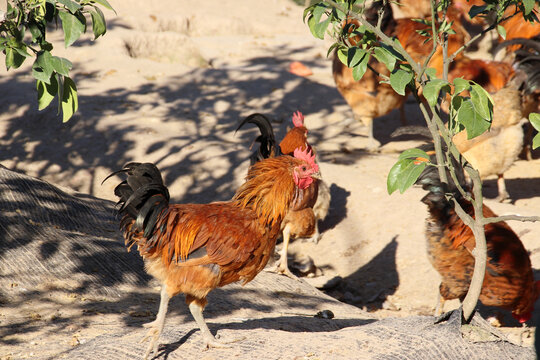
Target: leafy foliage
{"type": "Point", "coordinates": [470, 106]}
{"type": "Point", "coordinates": [51, 72]}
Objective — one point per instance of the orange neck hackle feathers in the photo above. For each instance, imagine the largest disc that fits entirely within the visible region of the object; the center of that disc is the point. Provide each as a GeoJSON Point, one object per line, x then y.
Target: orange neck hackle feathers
{"type": "Point", "coordinates": [268, 189]}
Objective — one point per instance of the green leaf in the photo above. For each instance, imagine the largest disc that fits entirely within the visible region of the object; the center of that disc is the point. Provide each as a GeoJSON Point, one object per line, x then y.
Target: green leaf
{"type": "Point", "coordinates": [454, 125]}
{"type": "Point", "coordinates": [482, 101]}
{"type": "Point", "coordinates": [46, 91]}
{"type": "Point", "coordinates": [474, 123]}
{"type": "Point", "coordinates": [331, 48]}
{"type": "Point", "coordinates": [461, 85]}
{"type": "Point", "coordinates": [399, 80]}
{"type": "Point", "coordinates": [70, 103]}
{"type": "Point", "coordinates": [37, 31]}
{"type": "Point", "coordinates": [61, 65]}
{"type": "Point", "coordinates": [414, 153]}
{"type": "Point", "coordinates": [342, 56]}
{"type": "Point", "coordinates": [534, 118]}
{"type": "Point", "coordinates": [355, 56]}
{"type": "Point", "coordinates": [21, 50]}
{"type": "Point", "coordinates": [98, 23]}
{"type": "Point", "coordinates": [432, 89]}
{"type": "Point", "coordinates": [70, 5]}
{"type": "Point", "coordinates": [13, 58]}
{"type": "Point", "coordinates": [317, 27]}
{"type": "Point", "coordinates": [360, 69]}
{"type": "Point", "coordinates": [404, 174]}
{"type": "Point", "coordinates": [502, 31]}
{"type": "Point", "coordinates": [475, 10]}
{"type": "Point", "coordinates": [43, 66]}
{"type": "Point", "coordinates": [72, 26]}
{"type": "Point", "coordinates": [385, 57]}
{"type": "Point", "coordinates": [105, 4]}
{"type": "Point", "coordinates": [528, 5]}
{"type": "Point", "coordinates": [431, 73]}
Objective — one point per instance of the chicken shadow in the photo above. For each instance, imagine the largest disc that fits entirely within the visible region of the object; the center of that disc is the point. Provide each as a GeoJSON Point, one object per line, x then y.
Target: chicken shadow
{"type": "Point", "coordinates": [370, 285]}
{"type": "Point", "coordinates": [282, 323]}
{"type": "Point", "coordinates": [518, 189]}
{"type": "Point", "coordinates": [337, 211]}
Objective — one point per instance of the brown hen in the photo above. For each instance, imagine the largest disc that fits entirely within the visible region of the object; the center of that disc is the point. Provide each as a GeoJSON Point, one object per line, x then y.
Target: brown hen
{"type": "Point", "coordinates": [509, 281]}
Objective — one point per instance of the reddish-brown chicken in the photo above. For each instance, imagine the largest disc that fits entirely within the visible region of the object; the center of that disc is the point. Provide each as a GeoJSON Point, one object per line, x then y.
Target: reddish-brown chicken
{"type": "Point", "coordinates": [297, 224]}
{"type": "Point", "coordinates": [368, 98]}
{"type": "Point", "coordinates": [421, 9]}
{"type": "Point", "coordinates": [491, 75]}
{"type": "Point", "coordinates": [195, 248]}
{"type": "Point", "coordinates": [509, 281]}
{"type": "Point", "coordinates": [517, 27]}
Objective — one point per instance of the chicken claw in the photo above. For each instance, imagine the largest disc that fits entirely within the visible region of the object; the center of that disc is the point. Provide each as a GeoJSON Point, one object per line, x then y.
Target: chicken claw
{"type": "Point", "coordinates": [284, 270]}
{"type": "Point", "coordinates": [212, 342]}
{"type": "Point", "coordinates": [156, 327]}
{"type": "Point", "coordinates": [153, 336]}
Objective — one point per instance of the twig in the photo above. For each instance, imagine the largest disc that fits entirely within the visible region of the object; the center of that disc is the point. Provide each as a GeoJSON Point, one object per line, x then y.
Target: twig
{"type": "Point", "coordinates": [384, 38]}
{"type": "Point", "coordinates": [477, 36]}
{"type": "Point", "coordinates": [510, 217]}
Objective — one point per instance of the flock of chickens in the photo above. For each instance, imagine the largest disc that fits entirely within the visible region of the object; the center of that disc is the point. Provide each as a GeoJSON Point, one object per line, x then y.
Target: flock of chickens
{"type": "Point", "coordinates": [514, 83]}
{"type": "Point", "coordinates": [195, 248]}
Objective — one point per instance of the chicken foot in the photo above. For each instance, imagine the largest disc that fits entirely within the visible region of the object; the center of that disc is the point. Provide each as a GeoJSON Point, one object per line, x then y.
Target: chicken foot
{"type": "Point", "coordinates": [316, 236]}
{"type": "Point", "coordinates": [440, 305]}
{"type": "Point", "coordinates": [156, 327]}
{"type": "Point", "coordinates": [373, 145]}
{"type": "Point", "coordinates": [501, 186]}
{"type": "Point", "coordinates": [209, 339]}
{"type": "Point", "coordinates": [282, 266]}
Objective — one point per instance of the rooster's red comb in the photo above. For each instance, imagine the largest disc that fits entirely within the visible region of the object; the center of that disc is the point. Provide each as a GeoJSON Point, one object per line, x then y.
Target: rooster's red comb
{"type": "Point", "coordinates": [298, 119]}
{"type": "Point", "coordinates": [307, 156]}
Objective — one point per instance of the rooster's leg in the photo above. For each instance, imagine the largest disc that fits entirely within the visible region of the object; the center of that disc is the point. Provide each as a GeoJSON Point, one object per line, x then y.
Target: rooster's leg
{"type": "Point", "coordinates": [501, 186]}
{"type": "Point", "coordinates": [317, 235]}
{"type": "Point", "coordinates": [283, 267]}
{"type": "Point", "coordinates": [156, 326]}
{"type": "Point", "coordinates": [440, 305]}
{"type": "Point", "coordinates": [402, 116]}
{"type": "Point", "coordinates": [373, 145]}
{"type": "Point", "coordinates": [196, 307]}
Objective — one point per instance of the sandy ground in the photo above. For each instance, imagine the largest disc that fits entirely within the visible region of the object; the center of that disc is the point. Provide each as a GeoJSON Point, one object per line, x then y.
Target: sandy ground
{"type": "Point", "coordinates": [169, 83]}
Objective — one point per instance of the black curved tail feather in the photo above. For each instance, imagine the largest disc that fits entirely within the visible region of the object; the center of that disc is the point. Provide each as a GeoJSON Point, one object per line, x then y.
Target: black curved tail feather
{"type": "Point", "coordinates": [143, 197]}
{"type": "Point", "coordinates": [268, 147]}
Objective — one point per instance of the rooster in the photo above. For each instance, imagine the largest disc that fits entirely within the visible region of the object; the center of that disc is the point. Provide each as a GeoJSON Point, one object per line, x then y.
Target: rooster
{"type": "Point", "coordinates": [297, 224]}
{"type": "Point", "coordinates": [195, 248]}
{"type": "Point", "coordinates": [509, 281]}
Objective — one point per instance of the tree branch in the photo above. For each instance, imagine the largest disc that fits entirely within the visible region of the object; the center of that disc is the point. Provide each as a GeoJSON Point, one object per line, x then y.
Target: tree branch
{"type": "Point", "coordinates": [384, 38]}
{"type": "Point", "coordinates": [510, 217]}
{"type": "Point", "coordinates": [476, 37]}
